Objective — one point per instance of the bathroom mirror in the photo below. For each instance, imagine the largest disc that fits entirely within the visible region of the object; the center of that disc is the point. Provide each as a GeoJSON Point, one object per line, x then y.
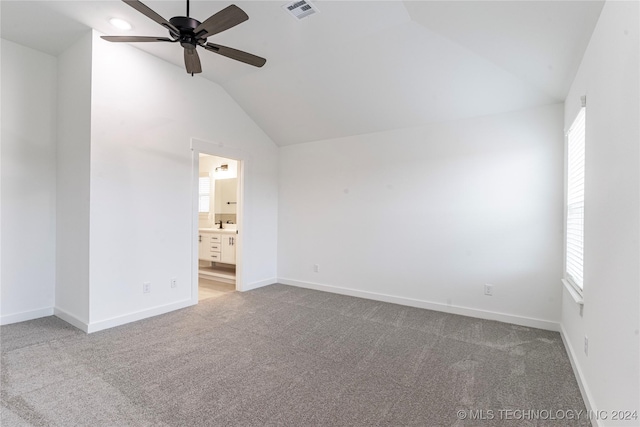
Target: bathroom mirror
{"type": "Point", "coordinates": [226, 196]}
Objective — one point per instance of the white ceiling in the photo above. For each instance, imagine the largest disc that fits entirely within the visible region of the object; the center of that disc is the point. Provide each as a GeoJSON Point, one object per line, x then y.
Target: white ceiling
{"type": "Point", "coordinates": [357, 66]}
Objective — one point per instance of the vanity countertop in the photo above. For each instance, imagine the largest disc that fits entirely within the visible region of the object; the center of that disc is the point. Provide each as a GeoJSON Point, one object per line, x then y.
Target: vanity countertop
{"type": "Point", "coordinates": [218, 230]}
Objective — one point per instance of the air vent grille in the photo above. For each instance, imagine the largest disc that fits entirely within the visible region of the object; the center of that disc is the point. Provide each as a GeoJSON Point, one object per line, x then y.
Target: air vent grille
{"type": "Point", "coordinates": [300, 9]}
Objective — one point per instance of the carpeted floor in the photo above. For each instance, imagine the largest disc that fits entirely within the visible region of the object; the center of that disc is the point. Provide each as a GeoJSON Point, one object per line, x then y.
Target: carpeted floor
{"type": "Point", "coordinates": [285, 356]}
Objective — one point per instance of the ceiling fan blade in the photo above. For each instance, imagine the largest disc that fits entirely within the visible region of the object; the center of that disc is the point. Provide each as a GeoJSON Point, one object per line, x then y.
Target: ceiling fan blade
{"type": "Point", "coordinates": [236, 54]}
{"type": "Point", "coordinates": [228, 17]}
{"type": "Point", "coordinates": [192, 61]}
{"type": "Point", "coordinates": [149, 13]}
{"type": "Point", "coordinates": [135, 39]}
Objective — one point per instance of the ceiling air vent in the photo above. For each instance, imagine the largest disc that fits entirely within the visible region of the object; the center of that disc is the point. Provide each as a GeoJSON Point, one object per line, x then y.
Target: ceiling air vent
{"type": "Point", "coordinates": [300, 9]}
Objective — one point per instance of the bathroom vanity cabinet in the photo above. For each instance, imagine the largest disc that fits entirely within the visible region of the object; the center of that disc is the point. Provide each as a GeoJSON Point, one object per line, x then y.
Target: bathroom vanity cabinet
{"type": "Point", "coordinates": [209, 246]}
{"type": "Point", "coordinates": [217, 245]}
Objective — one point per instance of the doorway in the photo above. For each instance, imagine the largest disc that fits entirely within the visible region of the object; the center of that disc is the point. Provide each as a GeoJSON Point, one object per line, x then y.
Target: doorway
{"type": "Point", "coordinates": [218, 218]}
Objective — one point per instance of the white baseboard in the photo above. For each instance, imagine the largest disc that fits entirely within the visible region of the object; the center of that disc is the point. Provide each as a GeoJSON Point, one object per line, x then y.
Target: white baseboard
{"type": "Point", "coordinates": [577, 372]}
{"type": "Point", "coordinates": [139, 315]}
{"type": "Point", "coordinates": [258, 284]}
{"type": "Point", "coordinates": [71, 319]}
{"type": "Point", "coordinates": [7, 319]}
{"type": "Point", "coordinates": [453, 309]}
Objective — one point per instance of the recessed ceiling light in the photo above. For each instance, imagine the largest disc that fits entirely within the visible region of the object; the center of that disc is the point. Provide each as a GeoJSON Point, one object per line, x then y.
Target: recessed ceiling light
{"type": "Point", "coordinates": [120, 24]}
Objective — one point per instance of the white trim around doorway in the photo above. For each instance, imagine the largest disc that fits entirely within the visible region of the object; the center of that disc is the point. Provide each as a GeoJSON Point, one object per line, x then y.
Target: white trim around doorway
{"type": "Point", "coordinates": [216, 149]}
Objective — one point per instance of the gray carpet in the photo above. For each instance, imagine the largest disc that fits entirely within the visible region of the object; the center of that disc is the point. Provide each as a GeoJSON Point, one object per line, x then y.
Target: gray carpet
{"type": "Point", "coordinates": [285, 356]}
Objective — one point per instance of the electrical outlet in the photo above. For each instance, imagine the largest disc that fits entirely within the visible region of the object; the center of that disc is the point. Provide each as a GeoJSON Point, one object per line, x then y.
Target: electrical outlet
{"type": "Point", "coordinates": [146, 287]}
{"type": "Point", "coordinates": [488, 290]}
{"type": "Point", "coordinates": [174, 282]}
{"type": "Point", "coordinates": [586, 346]}
{"type": "Point", "coordinates": [316, 268]}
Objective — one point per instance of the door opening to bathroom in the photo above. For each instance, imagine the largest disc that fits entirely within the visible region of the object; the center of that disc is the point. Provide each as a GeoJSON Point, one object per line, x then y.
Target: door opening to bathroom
{"type": "Point", "coordinates": [217, 225]}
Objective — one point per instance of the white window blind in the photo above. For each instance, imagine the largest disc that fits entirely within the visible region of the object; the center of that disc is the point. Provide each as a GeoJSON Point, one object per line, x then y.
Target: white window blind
{"type": "Point", "coordinates": [204, 194]}
{"type": "Point", "coordinates": [575, 200]}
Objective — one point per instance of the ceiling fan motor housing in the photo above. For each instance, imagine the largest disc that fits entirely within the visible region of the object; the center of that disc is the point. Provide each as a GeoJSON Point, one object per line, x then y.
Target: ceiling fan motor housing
{"type": "Point", "coordinates": [187, 26]}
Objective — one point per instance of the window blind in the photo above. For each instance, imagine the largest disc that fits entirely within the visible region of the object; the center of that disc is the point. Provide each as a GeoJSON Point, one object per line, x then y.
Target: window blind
{"type": "Point", "coordinates": [204, 194]}
{"type": "Point", "coordinates": [575, 200]}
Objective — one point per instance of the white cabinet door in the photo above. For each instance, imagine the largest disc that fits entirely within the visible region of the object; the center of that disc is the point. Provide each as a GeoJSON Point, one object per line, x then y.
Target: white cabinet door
{"type": "Point", "coordinates": [204, 246]}
{"type": "Point", "coordinates": [228, 254]}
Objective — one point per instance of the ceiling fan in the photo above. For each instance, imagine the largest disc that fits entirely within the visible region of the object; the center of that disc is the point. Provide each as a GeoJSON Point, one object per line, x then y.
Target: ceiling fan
{"type": "Point", "coordinates": [191, 33]}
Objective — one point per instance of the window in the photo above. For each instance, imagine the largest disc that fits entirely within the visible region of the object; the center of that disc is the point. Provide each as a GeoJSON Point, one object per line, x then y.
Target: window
{"type": "Point", "coordinates": [575, 200]}
{"type": "Point", "coordinates": [204, 194]}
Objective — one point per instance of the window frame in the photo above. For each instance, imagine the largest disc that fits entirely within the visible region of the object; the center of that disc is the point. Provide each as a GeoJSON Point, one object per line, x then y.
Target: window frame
{"type": "Point", "coordinates": [575, 201]}
{"type": "Point", "coordinates": [202, 194]}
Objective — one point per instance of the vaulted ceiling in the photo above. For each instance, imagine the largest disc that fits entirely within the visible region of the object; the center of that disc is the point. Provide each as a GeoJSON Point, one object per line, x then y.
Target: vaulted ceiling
{"type": "Point", "coordinates": [356, 66]}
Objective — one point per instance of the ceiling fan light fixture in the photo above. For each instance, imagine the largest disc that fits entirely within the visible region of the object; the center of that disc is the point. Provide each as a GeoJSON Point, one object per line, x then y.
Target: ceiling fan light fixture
{"type": "Point", "coordinates": [120, 24]}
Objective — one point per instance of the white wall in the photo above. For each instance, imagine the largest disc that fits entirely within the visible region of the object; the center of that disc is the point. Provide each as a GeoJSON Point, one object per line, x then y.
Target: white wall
{"type": "Point", "coordinates": [74, 151]}
{"type": "Point", "coordinates": [144, 116]}
{"type": "Point", "coordinates": [608, 76]}
{"type": "Point", "coordinates": [431, 214]}
{"type": "Point", "coordinates": [28, 183]}
{"type": "Point", "coordinates": [205, 166]}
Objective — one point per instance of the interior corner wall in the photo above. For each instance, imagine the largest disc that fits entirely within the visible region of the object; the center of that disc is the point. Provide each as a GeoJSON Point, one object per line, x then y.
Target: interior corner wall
{"type": "Point", "coordinates": [144, 116]}
{"type": "Point", "coordinates": [73, 164]}
{"type": "Point", "coordinates": [28, 183]}
{"type": "Point", "coordinates": [608, 76]}
{"type": "Point", "coordinates": [427, 216]}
